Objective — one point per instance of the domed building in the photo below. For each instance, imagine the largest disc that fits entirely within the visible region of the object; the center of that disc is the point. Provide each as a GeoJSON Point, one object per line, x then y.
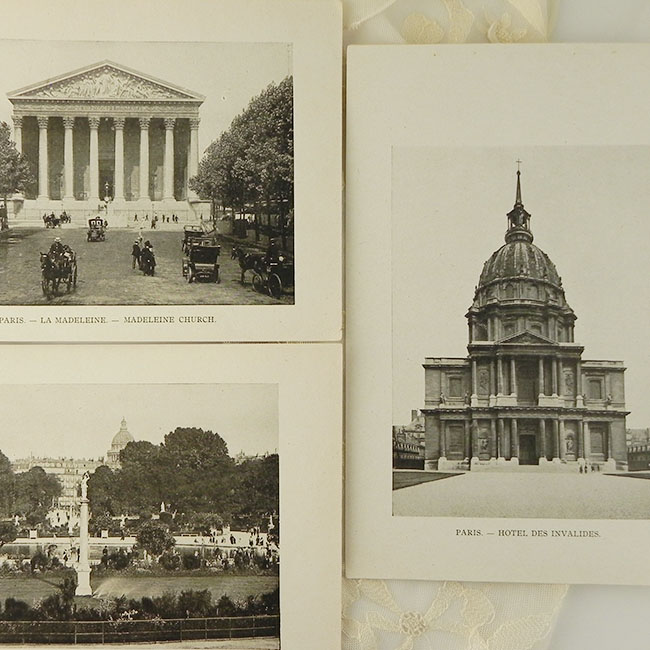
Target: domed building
{"type": "Point", "coordinates": [523, 395]}
{"type": "Point", "coordinates": [120, 440]}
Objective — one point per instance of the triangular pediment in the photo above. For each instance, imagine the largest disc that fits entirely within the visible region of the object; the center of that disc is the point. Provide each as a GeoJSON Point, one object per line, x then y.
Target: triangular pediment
{"type": "Point", "coordinates": [528, 337]}
{"type": "Point", "coordinates": [106, 81]}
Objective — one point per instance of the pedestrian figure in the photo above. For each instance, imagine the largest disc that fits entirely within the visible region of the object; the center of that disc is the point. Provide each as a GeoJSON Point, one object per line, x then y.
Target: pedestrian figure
{"type": "Point", "coordinates": [135, 218]}
{"type": "Point", "coordinates": [135, 253]}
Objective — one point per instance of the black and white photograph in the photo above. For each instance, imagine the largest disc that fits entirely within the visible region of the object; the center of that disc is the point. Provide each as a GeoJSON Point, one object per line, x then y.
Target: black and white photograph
{"type": "Point", "coordinates": [139, 513]}
{"type": "Point", "coordinates": [519, 368]}
{"type": "Point", "coordinates": [152, 173]}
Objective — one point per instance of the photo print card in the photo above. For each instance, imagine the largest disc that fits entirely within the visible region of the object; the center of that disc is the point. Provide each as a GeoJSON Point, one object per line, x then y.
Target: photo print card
{"type": "Point", "coordinates": [168, 501]}
{"type": "Point", "coordinates": [496, 423]}
{"type": "Point", "coordinates": [171, 177]}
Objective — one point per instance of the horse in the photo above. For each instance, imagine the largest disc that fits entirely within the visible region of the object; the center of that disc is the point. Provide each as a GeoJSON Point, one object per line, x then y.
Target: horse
{"type": "Point", "coordinates": [55, 269]}
{"type": "Point", "coordinates": [248, 261]}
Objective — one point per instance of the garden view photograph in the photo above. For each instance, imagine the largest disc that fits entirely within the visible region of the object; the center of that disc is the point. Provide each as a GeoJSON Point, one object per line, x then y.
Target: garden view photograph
{"type": "Point", "coordinates": [139, 513]}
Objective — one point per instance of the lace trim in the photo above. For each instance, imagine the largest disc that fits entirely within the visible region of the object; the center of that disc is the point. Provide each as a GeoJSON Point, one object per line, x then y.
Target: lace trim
{"type": "Point", "coordinates": [452, 615]}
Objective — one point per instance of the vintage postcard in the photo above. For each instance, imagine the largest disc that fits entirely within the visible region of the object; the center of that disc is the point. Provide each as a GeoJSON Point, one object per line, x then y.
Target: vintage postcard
{"type": "Point", "coordinates": [141, 504]}
{"type": "Point", "coordinates": [172, 183]}
{"type": "Point", "coordinates": [505, 423]}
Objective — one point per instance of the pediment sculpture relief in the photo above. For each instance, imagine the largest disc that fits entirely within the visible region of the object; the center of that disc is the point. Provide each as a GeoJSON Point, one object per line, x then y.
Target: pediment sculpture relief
{"type": "Point", "coordinates": [106, 83]}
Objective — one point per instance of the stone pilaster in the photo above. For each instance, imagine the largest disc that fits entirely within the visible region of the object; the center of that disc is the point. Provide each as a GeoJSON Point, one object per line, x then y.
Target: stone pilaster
{"type": "Point", "coordinates": [43, 181]}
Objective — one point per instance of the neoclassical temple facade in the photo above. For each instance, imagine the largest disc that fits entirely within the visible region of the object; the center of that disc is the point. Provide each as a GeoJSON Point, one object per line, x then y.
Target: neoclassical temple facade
{"type": "Point", "coordinates": [108, 138]}
{"type": "Point", "coordinates": [524, 395]}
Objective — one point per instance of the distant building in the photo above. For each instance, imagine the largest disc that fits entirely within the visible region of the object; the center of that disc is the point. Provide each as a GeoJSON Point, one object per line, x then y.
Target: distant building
{"type": "Point", "coordinates": [408, 443]}
{"type": "Point", "coordinates": [120, 440]}
{"type": "Point", "coordinates": [70, 470]}
{"type": "Point", "coordinates": [523, 395]}
{"type": "Point", "coordinates": [638, 449]}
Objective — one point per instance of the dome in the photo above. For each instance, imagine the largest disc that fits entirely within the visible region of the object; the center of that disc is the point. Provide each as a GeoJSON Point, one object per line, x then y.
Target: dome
{"type": "Point", "coordinates": [122, 438]}
{"type": "Point", "coordinates": [519, 259]}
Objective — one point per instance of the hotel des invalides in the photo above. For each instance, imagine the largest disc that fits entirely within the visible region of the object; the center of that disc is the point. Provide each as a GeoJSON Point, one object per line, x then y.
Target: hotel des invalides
{"type": "Point", "coordinates": [524, 395]}
{"type": "Point", "coordinates": [109, 138]}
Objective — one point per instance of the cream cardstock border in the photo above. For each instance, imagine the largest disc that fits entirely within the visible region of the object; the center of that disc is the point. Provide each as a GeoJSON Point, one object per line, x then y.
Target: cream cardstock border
{"type": "Point", "coordinates": [449, 96]}
{"type": "Point", "coordinates": [314, 30]}
{"type": "Point", "coordinates": [309, 447]}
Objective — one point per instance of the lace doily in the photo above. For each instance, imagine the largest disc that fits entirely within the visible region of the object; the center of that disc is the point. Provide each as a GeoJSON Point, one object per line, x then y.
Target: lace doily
{"type": "Point", "coordinates": [408, 615]}
{"type": "Point", "coordinates": [445, 21]}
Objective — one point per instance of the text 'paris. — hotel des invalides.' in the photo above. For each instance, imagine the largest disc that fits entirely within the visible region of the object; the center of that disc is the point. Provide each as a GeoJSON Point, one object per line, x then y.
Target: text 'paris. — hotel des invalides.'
{"type": "Point", "coordinates": [523, 395]}
{"type": "Point", "coordinates": [106, 134]}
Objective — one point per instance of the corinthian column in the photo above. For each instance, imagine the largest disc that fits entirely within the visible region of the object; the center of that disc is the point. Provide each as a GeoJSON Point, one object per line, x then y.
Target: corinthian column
{"type": "Point", "coordinates": [93, 122]}
{"type": "Point", "coordinates": [118, 189]}
{"type": "Point", "coordinates": [144, 157]}
{"type": "Point", "coordinates": [168, 185]}
{"type": "Point", "coordinates": [18, 132]}
{"type": "Point", "coordinates": [68, 125]}
{"type": "Point", "coordinates": [43, 182]}
{"type": "Point", "coordinates": [193, 160]}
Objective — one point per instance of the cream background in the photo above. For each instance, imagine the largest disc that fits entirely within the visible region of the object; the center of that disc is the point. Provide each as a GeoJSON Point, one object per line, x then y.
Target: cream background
{"type": "Point", "coordinates": [309, 425]}
{"type": "Point", "coordinates": [564, 102]}
{"type": "Point", "coordinates": [314, 31]}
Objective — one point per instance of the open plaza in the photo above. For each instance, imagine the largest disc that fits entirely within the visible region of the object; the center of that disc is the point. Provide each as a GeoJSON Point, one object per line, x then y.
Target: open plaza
{"type": "Point", "coordinates": [524, 494]}
{"type": "Point", "coordinates": [106, 275]}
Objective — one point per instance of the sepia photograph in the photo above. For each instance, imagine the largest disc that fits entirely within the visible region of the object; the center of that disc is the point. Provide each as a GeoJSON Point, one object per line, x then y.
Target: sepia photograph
{"type": "Point", "coordinates": [139, 513]}
{"type": "Point", "coordinates": [155, 173]}
{"type": "Point", "coordinates": [519, 366]}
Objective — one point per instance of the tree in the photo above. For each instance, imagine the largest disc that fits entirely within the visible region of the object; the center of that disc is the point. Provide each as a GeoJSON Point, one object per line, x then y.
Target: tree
{"type": "Point", "coordinates": [35, 492]}
{"type": "Point", "coordinates": [250, 166]}
{"type": "Point", "coordinates": [8, 533]}
{"type": "Point", "coordinates": [155, 538]}
{"type": "Point", "coordinates": [258, 487]}
{"type": "Point", "coordinates": [15, 170]}
{"type": "Point", "coordinates": [6, 487]}
{"type": "Point", "coordinates": [102, 493]}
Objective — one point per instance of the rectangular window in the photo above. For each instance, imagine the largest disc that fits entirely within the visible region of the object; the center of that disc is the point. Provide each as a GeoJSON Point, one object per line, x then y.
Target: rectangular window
{"type": "Point", "coordinates": [595, 389]}
{"type": "Point", "coordinates": [455, 387]}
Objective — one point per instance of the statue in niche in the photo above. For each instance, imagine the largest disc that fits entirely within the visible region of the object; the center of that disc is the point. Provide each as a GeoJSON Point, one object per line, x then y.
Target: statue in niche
{"type": "Point", "coordinates": [568, 381]}
{"type": "Point", "coordinates": [483, 381]}
{"type": "Point", "coordinates": [442, 397]}
{"type": "Point", "coordinates": [570, 445]}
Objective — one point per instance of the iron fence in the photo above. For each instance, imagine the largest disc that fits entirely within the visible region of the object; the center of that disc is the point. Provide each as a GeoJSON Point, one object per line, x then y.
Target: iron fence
{"type": "Point", "coordinates": [129, 631]}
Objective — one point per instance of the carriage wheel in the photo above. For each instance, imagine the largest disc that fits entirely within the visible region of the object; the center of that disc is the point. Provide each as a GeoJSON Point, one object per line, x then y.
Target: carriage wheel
{"type": "Point", "coordinates": [217, 276]}
{"type": "Point", "coordinates": [44, 286]}
{"type": "Point", "coordinates": [74, 277]}
{"type": "Point", "coordinates": [69, 282]}
{"type": "Point", "coordinates": [275, 285]}
{"type": "Point", "coordinates": [190, 275]}
{"type": "Point", "coordinates": [258, 283]}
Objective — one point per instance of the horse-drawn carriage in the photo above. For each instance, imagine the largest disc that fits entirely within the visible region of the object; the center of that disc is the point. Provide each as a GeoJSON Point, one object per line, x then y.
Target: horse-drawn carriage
{"type": "Point", "coordinates": [201, 260]}
{"type": "Point", "coordinates": [96, 229]}
{"type": "Point", "coordinates": [57, 267]}
{"type": "Point", "coordinates": [276, 277]}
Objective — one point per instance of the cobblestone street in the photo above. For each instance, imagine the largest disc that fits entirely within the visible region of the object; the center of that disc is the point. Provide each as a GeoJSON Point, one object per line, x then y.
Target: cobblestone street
{"type": "Point", "coordinates": [106, 276]}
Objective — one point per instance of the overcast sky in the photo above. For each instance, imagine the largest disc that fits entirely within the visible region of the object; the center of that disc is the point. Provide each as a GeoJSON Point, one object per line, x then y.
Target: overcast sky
{"type": "Point", "coordinates": [589, 211]}
{"type": "Point", "coordinates": [80, 421]}
{"type": "Point", "coordinates": [228, 74]}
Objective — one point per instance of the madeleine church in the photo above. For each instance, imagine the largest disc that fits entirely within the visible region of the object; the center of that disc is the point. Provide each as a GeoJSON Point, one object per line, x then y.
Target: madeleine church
{"type": "Point", "coordinates": [524, 395]}
{"type": "Point", "coordinates": [106, 137]}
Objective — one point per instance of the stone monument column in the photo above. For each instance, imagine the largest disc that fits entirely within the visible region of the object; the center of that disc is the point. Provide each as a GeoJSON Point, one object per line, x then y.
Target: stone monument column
{"type": "Point", "coordinates": [43, 183]}
{"type": "Point", "coordinates": [83, 565]}
{"type": "Point", "coordinates": [68, 125]}
{"type": "Point", "coordinates": [93, 122]}
{"type": "Point", "coordinates": [168, 184]}
{"type": "Point", "coordinates": [118, 186]}
{"type": "Point", "coordinates": [144, 158]}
